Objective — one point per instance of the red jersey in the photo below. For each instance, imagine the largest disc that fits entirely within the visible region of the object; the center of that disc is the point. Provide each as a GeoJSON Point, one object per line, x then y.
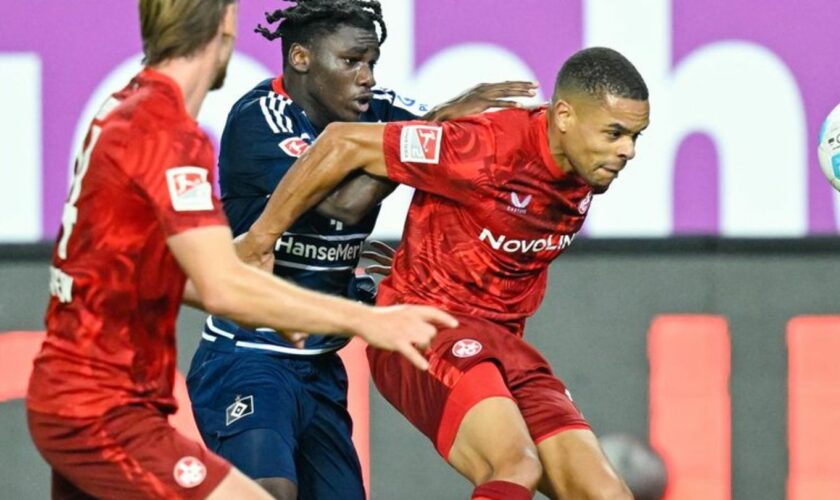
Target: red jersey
{"type": "Point", "coordinates": [491, 211]}
{"type": "Point", "coordinates": [144, 174]}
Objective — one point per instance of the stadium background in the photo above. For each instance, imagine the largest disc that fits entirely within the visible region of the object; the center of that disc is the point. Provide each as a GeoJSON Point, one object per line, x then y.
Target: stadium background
{"type": "Point", "coordinates": [724, 215]}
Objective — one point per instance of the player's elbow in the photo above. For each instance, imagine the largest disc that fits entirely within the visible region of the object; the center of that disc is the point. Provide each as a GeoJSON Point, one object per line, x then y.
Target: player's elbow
{"type": "Point", "coordinates": [218, 300]}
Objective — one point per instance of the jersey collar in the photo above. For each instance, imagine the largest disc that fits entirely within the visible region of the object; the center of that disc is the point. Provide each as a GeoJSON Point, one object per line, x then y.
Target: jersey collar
{"type": "Point", "coordinates": [151, 75]}
{"type": "Point", "coordinates": [277, 86]}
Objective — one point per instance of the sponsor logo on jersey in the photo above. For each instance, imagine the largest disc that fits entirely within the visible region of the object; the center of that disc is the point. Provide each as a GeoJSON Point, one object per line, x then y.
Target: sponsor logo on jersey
{"type": "Point", "coordinates": [240, 408]}
{"type": "Point", "coordinates": [324, 251]}
{"type": "Point", "coordinates": [189, 472]}
{"type": "Point", "coordinates": [189, 189]}
{"type": "Point", "coordinates": [510, 245]}
{"type": "Point", "coordinates": [519, 204]}
{"type": "Point", "coordinates": [294, 146]}
{"type": "Point", "coordinates": [583, 207]}
{"type": "Point", "coordinates": [466, 348]}
{"type": "Point", "coordinates": [420, 143]}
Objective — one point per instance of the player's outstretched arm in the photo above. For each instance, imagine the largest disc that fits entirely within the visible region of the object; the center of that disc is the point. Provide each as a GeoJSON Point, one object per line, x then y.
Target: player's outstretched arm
{"type": "Point", "coordinates": [341, 149]}
{"type": "Point", "coordinates": [356, 196]}
{"type": "Point", "coordinates": [227, 287]}
{"type": "Point", "coordinates": [482, 97]}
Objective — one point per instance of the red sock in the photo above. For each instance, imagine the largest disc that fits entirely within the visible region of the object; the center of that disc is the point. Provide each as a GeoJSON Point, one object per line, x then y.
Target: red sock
{"type": "Point", "coordinates": [501, 490]}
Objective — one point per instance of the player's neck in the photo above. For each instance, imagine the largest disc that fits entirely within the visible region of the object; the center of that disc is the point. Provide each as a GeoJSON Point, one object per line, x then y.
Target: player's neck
{"type": "Point", "coordinates": [193, 75]}
{"type": "Point", "coordinates": [555, 146]}
{"type": "Point", "coordinates": [295, 86]}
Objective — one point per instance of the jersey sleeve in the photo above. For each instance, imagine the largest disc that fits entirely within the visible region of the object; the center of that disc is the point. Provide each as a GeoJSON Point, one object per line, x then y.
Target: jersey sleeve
{"type": "Point", "coordinates": [452, 159]}
{"type": "Point", "coordinates": [259, 144]}
{"type": "Point", "coordinates": [175, 172]}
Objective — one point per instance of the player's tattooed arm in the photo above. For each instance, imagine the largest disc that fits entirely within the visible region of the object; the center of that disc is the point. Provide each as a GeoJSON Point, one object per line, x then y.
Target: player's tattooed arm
{"type": "Point", "coordinates": [482, 97]}
{"type": "Point", "coordinates": [342, 149]}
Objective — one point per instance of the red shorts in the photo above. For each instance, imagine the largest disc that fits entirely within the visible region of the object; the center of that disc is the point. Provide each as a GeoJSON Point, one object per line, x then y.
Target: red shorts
{"type": "Point", "coordinates": [435, 402]}
{"type": "Point", "coordinates": [130, 452]}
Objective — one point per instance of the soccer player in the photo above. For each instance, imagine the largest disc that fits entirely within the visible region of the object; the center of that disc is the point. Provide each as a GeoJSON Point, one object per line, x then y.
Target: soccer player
{"type": "Point", "coordinates": [499, 196]}
{"type": "Point", "coordinates": [277, 413]}
{"type": "Point", "coordinates": [141, 218]}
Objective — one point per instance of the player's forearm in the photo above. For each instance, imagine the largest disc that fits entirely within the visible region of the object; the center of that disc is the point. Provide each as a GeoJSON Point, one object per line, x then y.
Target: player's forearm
{"type": "Point", "coordinates": [315, 174]}
{"type": "Point", "coordinates": [355, 198]}
{"type": "Point", "coordinates": [191, 296]}
{"type": "Point", "coordinates": [256, 299]}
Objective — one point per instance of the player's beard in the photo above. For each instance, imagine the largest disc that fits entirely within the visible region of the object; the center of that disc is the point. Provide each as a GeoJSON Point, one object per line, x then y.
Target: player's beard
{"type": "Point", "coordinates": [219, 79]}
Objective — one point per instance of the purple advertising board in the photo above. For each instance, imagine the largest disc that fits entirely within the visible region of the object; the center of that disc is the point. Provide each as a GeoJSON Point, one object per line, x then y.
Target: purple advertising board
{"type": "Point", "coordinates": [738, 93]}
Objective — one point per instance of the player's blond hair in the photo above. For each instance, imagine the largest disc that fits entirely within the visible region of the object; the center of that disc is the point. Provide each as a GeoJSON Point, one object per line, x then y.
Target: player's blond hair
{"type": "Point", "coordinates": [178, 28]}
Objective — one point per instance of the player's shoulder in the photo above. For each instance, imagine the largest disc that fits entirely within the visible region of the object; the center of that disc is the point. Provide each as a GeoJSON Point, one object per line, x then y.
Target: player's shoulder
{"type": "Point", "coordinates": [264, 109]}
{"type": "Point", "coordinates": [389, 105]}
{"type": "Point", "coordinates": [512, 125]}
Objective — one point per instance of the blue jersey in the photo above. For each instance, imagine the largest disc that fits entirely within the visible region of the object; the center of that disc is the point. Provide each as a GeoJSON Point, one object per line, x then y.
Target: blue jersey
{"type": "Point", "coordinates": [264, 134]}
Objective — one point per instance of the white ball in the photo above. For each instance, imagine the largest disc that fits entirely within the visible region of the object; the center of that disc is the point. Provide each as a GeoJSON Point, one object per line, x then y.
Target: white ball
{"type": "Point", "coordinates": [829, 150]}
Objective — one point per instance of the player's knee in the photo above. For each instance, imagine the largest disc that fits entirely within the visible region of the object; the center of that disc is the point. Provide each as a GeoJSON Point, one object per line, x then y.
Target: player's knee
{"type": "Point", "coordinates": [520, 465]}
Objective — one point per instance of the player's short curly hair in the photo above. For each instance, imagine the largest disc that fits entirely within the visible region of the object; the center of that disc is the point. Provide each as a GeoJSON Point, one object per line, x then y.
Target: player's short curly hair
{"type": "Point", "coordinates": [178, 28]}
{"type": "Point", "coordinates": [598, 71]}
{"type": "Point", "coordinates": [309, 19]}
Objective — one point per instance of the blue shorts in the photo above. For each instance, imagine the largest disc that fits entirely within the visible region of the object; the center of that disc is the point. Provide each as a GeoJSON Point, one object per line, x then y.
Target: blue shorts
{"type": "Point", "coordinates": [276, 416]}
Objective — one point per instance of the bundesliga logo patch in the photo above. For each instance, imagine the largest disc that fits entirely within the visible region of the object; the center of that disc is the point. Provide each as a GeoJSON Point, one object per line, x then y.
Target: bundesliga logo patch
{"type": "Point", "coordinates": [189, 472]}
{"type": "Point", "coordinates": [189, 189]}
{"type": "Point", "coordinates": [466, 348]}
{"type": "Point", "coordinates": [420, 143]}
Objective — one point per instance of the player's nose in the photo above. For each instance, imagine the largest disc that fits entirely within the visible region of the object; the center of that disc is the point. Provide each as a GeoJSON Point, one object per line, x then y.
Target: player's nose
{"type": "Point", "coordinates": [627, 150]}
{"type": "Point", "coordinates": [365, 76]}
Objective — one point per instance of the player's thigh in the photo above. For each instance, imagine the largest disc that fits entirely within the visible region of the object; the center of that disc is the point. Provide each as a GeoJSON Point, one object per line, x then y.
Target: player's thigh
{"type": "Point", "coordinates": [492, 441]}
{"type": "Point", "coordinates": [262, 453]}
{"type": "Point", "coordinates": [575, 467]}
{"type": "Point", "coordinates": [327, 462]}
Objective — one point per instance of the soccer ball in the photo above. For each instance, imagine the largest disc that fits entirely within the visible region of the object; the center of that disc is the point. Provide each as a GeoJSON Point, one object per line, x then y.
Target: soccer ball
{"type": "Point", "coordinates": [829, 150]}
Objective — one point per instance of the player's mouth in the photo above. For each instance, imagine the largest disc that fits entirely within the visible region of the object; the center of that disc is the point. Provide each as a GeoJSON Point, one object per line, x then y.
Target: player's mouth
{"type": "Point", "coordinates": [611, 171]}
{"type": "Point", "coordinates": [362, 102]}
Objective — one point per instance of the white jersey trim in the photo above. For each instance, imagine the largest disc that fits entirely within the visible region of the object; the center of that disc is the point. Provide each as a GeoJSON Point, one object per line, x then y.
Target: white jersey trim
{"type": "Point", "coordinates": [328, 237]}
{"type": "Point", "coordinates": [265, 347]}
{"type": "Point", "coordinates": [305, 267]}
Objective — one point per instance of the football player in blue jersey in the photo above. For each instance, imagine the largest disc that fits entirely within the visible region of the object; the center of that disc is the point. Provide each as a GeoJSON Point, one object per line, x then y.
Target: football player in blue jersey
{"type": "Point", "coordinates": [277, 412]}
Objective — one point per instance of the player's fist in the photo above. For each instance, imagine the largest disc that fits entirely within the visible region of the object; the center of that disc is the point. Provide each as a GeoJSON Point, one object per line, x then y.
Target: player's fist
{"type": "Point", "coordinates": [255, 250]}
{"type": "Point", "coordinates": [483, 97]}
{"type": "Point", "coordinates": [405, 329]}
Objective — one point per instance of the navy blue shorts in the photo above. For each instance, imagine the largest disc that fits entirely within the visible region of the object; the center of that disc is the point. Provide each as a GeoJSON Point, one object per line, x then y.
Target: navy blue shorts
{"type": "Point", "coordinates": [275, 416]}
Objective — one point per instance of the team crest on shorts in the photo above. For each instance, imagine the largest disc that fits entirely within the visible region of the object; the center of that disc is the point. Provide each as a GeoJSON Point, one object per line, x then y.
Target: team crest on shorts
{"type": "Point", "coordinates": [189, 472]}
{"type": "Point", "coordinates": [242, 407]}
{"type": "Point", "coordinates": [466, 348]}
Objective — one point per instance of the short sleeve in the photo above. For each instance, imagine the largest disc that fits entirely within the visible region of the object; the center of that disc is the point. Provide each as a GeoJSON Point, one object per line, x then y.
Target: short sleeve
{"type": "Point", "coordinates": [259, 145]}
{"type": "Point", "coordinates": [174, 170]}
{"type": "Point", "coordinates": [450, 159]}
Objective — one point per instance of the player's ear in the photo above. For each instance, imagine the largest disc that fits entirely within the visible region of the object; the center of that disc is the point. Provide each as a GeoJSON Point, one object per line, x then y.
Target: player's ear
{"type": "Point", "coordinates": [299, 58]}
{"type": "Point", "coordinates": [562, 113]}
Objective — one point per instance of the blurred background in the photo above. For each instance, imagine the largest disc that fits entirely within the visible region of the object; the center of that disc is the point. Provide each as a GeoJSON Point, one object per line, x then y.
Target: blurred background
{"type": "Point", "coordinates": [693, 314]}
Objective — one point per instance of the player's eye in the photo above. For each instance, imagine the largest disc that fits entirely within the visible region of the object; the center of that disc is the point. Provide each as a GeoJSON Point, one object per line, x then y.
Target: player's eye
{"type": "Point", "coordinates": [613, 134]}
{"type": "Point", "coordinates": [351, 61]}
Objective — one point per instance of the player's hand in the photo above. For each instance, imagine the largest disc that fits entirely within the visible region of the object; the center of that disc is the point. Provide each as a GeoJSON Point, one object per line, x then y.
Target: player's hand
{"type": "Point", "coordinates": [483, 97]}
{"type": "Point", "coordinates": [255, 250]}
{"type": "Point", "coordinates": [383, 254]}
{"type": "Point", "coordinates": [405, 329]}
{"type": "Point", "coordinates": [297, 339]}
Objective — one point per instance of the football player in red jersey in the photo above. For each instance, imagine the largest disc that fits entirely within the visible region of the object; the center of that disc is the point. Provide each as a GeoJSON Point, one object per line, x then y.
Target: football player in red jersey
{"type": "Point", "coordinates": [140, 219]}
{"type": "Point", "coordinates": [499, 196]}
